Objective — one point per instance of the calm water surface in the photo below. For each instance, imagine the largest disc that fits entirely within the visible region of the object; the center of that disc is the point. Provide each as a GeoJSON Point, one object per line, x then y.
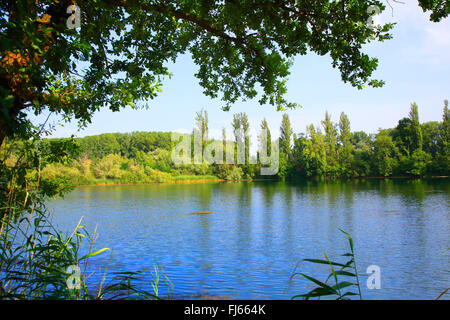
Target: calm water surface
{"type": "Point", "coordinates": [262, 230]}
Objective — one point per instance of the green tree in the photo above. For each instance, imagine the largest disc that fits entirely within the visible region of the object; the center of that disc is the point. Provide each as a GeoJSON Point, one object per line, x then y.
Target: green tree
{"type": "Point", "coordinates": [201, 130]}
{"type": "Point", "coordinates": [120, 53]}
{"type": "Point", "coordinates": [238, 136]}
{"type": "Point", "coordinates": [363, 158]}
{"type": "Point", "coordinates": [285, 135]}
{"type": "Point", "coordinates": [446, 128]}
{"type": "Point", "coordinates": [108, 167]}
{"type": "Point", "coordinates": [313, 154]}
{"type": "Point", "coordinates": [443, 154]}
{"type": "Point", "coordinates": [402, 137]}
{"type": "Point", "coordinates": [330, 140]}
{"type": "Point", "coordinates": [241, 127]}
{"type": "Point", "coordinates": [224, 146]}
{"type": "Point", "coordinates": [285, 141]}
{"type": "Point", "coordinates": [384, 155]}
{"type": "Point", "coordinates": [297, 155]}
{"type": "Point", "coordinates": [246, 128]}
{"type": "Point", "coordinates": [264, 145]}
{"type": "Point", "coordinates": [265, 138]}
{"type": "Point", "coordinates": [362, 145]}
{"type": "Point", "coordinates": [431, 132]}
{"type": "Point", "coordinates": [416, 129]}
{"type": "Point", "coordinates": [417, 164]}
{"type": "Point", "coordinates": [345, 145]}
{"type": "Point", "coordinates": [408, 133]}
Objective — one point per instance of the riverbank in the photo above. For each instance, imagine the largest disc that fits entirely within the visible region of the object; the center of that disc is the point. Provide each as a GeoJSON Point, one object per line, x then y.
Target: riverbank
{"type": "Point", "coordinates": [368, 178]}
{"type": "Point", "coordinates": [216, 179]}
{"type": "Point", "coordinates": [178, 180]}
{"type": "Point", "coordinates": [165, 182]}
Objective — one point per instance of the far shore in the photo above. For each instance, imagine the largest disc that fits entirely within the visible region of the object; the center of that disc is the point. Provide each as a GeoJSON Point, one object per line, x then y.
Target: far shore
{"type": "Point", "coordinates": [136, 183]}
{"type": "Point", "coordinates": [250, 180]}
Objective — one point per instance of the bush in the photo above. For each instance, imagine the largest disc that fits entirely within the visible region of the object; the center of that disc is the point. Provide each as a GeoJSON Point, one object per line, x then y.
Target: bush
{"type": "Point", "coordinates": [109, 167]}
{"type": "Point", "coordinates": [235, 174]}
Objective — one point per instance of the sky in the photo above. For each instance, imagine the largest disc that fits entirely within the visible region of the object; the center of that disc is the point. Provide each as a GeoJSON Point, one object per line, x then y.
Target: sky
{"type": "Point", "coordinates": [415, 65]}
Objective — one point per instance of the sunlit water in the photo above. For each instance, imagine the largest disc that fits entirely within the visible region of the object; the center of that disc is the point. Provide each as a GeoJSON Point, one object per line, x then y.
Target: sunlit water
{"type": "Point", "coordinates": [262, 231]}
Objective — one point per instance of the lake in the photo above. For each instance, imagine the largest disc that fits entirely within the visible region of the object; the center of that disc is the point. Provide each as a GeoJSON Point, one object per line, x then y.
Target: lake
{"type": "Point", "coordinates": [260, 231]}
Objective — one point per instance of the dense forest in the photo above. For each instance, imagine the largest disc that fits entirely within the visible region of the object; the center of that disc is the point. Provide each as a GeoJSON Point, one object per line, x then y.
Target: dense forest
{"type": "Point", "coordinates": [328, 151]}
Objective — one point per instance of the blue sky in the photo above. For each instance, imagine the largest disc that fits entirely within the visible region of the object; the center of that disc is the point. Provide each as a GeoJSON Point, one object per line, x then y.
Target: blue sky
{"type": "Point", "coordinates": [415, 65]}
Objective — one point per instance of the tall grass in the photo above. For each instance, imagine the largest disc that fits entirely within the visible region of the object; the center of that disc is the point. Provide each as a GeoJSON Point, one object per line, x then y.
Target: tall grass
{"type": "Point", "coordinates": [39, 262]}
{"type": "Point", "coordinates": [338, 270]}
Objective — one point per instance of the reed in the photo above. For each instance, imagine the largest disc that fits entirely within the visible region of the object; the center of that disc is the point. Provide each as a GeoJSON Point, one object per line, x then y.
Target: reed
{"type": "Point", "coordinates": [39, 262]}
{"type": "Point", "coordinates": [341, 290]}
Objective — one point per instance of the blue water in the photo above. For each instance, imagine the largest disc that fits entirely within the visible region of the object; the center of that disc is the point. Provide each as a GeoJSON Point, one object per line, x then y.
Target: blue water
{"type": "Point", "coordinates": [262, 231]}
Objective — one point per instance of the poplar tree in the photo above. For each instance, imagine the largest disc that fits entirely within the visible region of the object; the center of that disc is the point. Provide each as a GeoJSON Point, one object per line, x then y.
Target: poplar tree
{"type": "Point", "coordinates": [285, 135]}
{"type": "Point", "coordinates": [330, 140]}
{"type": "Point", "coordinates": [345, 147]}
{"type": "Point", "coordinates": [415, 129]}
{"type": "Point", "coordinates": [443, 157]}
{"type": "Point", "coordinates": [265, 138]}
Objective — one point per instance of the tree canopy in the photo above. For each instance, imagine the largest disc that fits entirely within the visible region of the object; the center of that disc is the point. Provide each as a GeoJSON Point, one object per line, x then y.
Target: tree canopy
{"type": "Point", "coordinates": [119, 54]}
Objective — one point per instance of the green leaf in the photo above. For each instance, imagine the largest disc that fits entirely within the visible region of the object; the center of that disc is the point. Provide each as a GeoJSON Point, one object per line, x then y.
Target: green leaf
{"type": "Point", "coordinates": [317, 292]}
{"type": "Point", "coordinates": [344, 273]}
{"type": "Point", "coordinates": [343, 284]}
{"type": "Point", "coordinates": [91, 254]}
{"type": "Point", "coordinates": [347, 255]}
{"type": "Point", "coordinates": [349, 294]}
{"type": "Point", "coordinates": [324, 262]}
{"type": "Point", "coordinates": [350, 239]}
{"type": "Point", "coordinates": [318, 282]}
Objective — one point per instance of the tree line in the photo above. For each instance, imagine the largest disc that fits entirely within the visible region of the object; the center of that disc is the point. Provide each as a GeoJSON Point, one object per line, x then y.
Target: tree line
{"type": "Point", "coordinates": [328, 151]}
{"type": "Point", "coordinates": [333, 150]}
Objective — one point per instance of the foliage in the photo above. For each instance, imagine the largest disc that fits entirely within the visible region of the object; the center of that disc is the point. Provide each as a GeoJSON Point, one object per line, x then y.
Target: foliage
{"type": "Point", "coordinates": [345, 148]}
{"type": "Point", "coordinates": [38, 262]}
{"type": "Point", "coordinates": [201, 130]}
{"type": "Point", "coordinates": [347, 269]}
{"type": "Point", "coordinates": [230, 172]}
{"type": "Point", "coordinates": [409, 149]}
{"type": "Point", "coordinates": [312, 154]}
{"type": "Point", "coordinates": [384, 155]}
{"type": "Point", "coordinates": [125, 144]}
{"type": "Point", "coordinates": [285, 135]}
{"type": "Point", "coordinates": [330, 152]}
{"type": "Point", "coordinates": [119, 54]}
{"type": "Point", "coordinates": [416, 164]}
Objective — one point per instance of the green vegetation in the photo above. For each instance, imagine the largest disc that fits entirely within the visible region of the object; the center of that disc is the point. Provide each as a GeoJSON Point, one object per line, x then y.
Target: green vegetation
{"type": "Point", "coordinates": [331, 152]}
{"type": "Point", "coordinates": [410, 149]}
{"type": "Point", "coordinates": [347, 270]}
{"type": "Point", "coordinates": [46, 264]}
{"type": "Point", "coordinates": [49, 64]}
